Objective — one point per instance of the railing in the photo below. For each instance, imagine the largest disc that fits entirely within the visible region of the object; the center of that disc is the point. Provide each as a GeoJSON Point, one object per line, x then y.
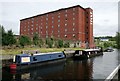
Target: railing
{"type": "Point", "coordinates": [115, 71]}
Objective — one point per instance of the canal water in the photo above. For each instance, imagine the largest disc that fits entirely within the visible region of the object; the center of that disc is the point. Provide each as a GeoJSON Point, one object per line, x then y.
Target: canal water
{"type": "Point", "coordinates": [94, 68]}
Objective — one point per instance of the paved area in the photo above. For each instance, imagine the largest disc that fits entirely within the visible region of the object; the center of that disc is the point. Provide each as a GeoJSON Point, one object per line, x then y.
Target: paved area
{"type": "Point", "coordinates": [5, 57]}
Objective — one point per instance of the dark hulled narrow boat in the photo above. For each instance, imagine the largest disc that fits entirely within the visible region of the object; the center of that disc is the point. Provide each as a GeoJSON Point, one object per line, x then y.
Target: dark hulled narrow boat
{"type": "Point", "coordinates": [88, 53]}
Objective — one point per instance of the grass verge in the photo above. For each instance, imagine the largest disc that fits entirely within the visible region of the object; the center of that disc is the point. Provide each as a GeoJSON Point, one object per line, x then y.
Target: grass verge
{"type": "Point", "coordinates": [43, 50]}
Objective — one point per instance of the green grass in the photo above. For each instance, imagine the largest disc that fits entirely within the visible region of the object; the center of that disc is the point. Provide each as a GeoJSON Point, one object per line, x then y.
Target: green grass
{"type": "Point", "coordinates": [43, 50]}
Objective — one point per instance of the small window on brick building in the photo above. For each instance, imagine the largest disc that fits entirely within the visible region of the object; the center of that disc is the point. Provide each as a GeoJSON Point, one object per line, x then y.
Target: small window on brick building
{"type": "Point", "coordinates": [65, 10]}
{"type": "Point", "coordinates": [65, 30]}
{"type": "Point", "coordinates": [59, 16]}
{"type": "Point", "coordinates": [73, 18]}
{"type": "Point", "coordinates": [73, 35]}
{"type": "Point", "coordinates": [41, 27]}
{"type": "Point", "coordinates": [66, 19]}
{"type": "Point", "coordinates": [91, 13]}
{"type": "Point", "coordinates": [52, 21]}
{"type": "Point", "coordinates": [73, 24]}
{"type": "Point", "coordinates": [52, 26]}
{"type": "Point", "coordinates": [58, 20]}
{"type": "Point", "coordinates": [65, 36]}
{"type": "Point", "coordinates": [52, 17]}
{"type": "Point", "coordinates": [73, 13]}
{"type": "Point", "coordinates": [65, 24]}
{"type": "Point", "coordinates": [46, 18]}
{"type": "Point", "coordinates": [65, 15]}
{"type": "Point", "coordinates": [58, 25]}
{"type": "Point", "coordinates": [73, 9]}
{"type": "Point", "coordinates": [32, 18]}
{"type": "Point", "coordinates": [73, 29]}
{"type": "Point", "coordinates": [58, 35]}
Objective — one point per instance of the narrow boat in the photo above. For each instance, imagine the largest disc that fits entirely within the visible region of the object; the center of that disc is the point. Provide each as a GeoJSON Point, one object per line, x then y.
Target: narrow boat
{"type": "Point", "coordinates": [22, 61]}
{"type": "Point", "coordinates": [109, 49]}
{"type": "Point", "coordinates": [88, 53]}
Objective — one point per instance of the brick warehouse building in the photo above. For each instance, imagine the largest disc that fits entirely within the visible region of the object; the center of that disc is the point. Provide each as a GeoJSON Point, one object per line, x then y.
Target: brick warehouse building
{"type": "Point", "coordinates": [72, 23]}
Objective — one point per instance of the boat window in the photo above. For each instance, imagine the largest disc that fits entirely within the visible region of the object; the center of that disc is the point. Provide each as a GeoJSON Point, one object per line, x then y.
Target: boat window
{"type": "Point", "coordinates": [18, 59]}
{"type": "Point", "coordinates": [14, 58]}
{"type": "Point", "coordinates": [34, 59]}
{"type": "Point", "coordinates": [59, 55]}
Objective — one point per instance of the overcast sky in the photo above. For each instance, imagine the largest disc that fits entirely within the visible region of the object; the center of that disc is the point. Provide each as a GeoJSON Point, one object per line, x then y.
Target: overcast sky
{"type": "Point", "coordinates": [105, 13]}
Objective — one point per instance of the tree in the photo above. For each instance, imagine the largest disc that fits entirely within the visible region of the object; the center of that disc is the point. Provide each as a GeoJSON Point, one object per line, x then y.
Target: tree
{"type": "Point", "coordinates": [24, 40]}
{"type": "Point", "coordinates": [2, 32]}
{"type": "Point", "coordinates": [118, 40]}
{"type": "Point", "coordinates": [66, 44]}
{"type": "Point", "coordinates": [49, 42]}
{"type": "Point", "coordinates": [36, 39]}
{"type": "Point", "coordinates": [8, 38]}
{"type": "Point", "coordinates": [60, 43]}
{"type": "Point", "coordinates": [41, 42]}
{"type": "Point", "coordinates": [1, 35]}
{"type": "Point", "coordinates": [11, 38]}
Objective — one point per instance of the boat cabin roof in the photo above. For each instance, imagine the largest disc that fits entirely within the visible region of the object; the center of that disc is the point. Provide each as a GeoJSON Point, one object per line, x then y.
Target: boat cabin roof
{"type": "Point", "coordinates": [35, 54]}
{"type": "Point", "coordinates": [92, 50]}
{"type": "Point", "coordinates": [22, 55]}
{"type": "Point", "coordinates": [87, 50]}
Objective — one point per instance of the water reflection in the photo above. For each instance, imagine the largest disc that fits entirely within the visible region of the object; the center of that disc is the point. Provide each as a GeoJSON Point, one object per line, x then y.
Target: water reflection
{"type": "Point", "coordinates": [95, 68]}
{"type": "Point", "coordinates": [65, 70]}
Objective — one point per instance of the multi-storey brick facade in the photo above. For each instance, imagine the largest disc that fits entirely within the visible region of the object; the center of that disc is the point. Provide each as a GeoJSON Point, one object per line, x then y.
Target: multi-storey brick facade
{"type": "Point", "coordinates": [72, 23]}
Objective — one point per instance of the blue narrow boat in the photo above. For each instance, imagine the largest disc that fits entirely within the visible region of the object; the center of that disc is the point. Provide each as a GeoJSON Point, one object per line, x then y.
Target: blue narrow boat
{"type": "Point", "coordinates": [22, 61]}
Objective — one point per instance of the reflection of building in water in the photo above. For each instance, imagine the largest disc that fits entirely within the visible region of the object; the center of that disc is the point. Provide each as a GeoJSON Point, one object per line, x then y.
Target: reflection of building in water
{"type": "Point", "coordinates": [79, 70]}
{"type": "Point", "coordinates": [75, 70]}
{"type": "Point", "coordinates": [84, 70]}
{"type": "Point", "coordinates": [65, 70]}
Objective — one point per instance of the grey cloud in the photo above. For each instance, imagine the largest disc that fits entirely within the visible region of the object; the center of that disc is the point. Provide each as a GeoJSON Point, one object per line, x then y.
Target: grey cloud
{"type": "Point", "coordinates": [11, 25]}
{"type": "Point", "coordinates": [12, 12]}
{"type": "Point", "coordinates": [106, 20]}
{"type": "Point", "coordinates": [102, 30]}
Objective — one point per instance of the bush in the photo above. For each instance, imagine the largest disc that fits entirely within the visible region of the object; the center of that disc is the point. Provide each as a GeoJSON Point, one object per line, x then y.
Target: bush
{"type": "Point", "coordinates": [66, 44]}
{"type": "Point", "coordinates": [60, 43]}
{"type": "Point", "coordinates": [49, 42]}
{"type": "Point", "coordinates": [24, 40]}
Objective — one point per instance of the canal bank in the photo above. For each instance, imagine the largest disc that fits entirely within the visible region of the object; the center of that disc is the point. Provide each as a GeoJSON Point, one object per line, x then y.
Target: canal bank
{"type": "Point", "coordinates": [27, 58]}
{"type": "Point", "coordinates": [96, 68]}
